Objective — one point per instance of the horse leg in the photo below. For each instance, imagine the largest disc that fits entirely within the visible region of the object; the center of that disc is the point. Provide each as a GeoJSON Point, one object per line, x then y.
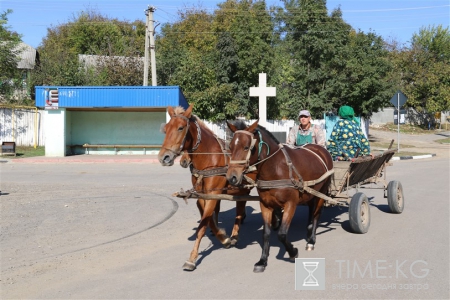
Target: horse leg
{"type": "Point", "coordinates": [201, 208]}
{"type": "Point", "coordinates": [288, 214]}
{"type": "Point", "coordinates": [207, 219]}
{"type": "Point", "coordinates": [266, 213]}
{"type": "Point", "coordinates": [240, 216]}
{"type": "Point", "coordinates": [315, 210]}
{"type": "Point", "coordinates": [216, 212]}
{"type": "Point", "coordinates": [276, 218]}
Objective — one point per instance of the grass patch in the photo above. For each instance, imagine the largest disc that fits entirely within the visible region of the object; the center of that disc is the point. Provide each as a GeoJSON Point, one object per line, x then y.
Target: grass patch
{"type": "Point", "coordinates": [386, 145]}
{"type": "Point", "coordinates": [404, 128]}
{"type": "Point", "coordinates": [443, 141]}
{"type": "Point", "coordinates": [23, 151]}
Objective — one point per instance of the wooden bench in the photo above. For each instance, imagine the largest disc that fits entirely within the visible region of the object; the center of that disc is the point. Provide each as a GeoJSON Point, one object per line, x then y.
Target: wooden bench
{"type": "Point", "coordinates": [8, 148]}
{"type": "Point", "coordinates": [116, 147]}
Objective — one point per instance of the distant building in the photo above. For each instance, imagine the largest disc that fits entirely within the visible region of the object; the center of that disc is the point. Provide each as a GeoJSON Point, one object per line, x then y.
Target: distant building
{"type": "Point", "coordinates": [90, 61]}
{"type": "Point", "coordinates": [29, 59]}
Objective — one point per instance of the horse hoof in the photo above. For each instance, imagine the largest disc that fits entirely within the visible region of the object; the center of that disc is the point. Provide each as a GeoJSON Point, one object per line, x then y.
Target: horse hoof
{"type": "Point", "coordinates": [227, 243]}
{"type": "Point", "coordinates": [309, 247]}
{"type": "Point", "coordinates": [189, 266]}
{"type": "Point", "coordinates": [234, 240]}
{"type": "Point", "coordinates": [293, 257]}
{"type": "Point", "coordinates": [259, 269]}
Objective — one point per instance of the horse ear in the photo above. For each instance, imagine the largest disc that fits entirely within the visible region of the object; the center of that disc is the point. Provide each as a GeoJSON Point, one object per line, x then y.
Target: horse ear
{"type": "Point", "coordinates": [252, 127]}
{"type": "Point", "coordinates": [170, 111]}
{"type": "Point", "coordinates": [231, 126]}
{"type": "Point", "coordinates": [188, 111]}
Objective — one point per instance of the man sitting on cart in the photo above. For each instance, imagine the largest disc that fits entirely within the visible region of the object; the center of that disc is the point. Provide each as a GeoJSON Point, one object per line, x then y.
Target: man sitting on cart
{"type": "Point", "coordinates": [306, 133]}
{"type": "Point", "coordinates": [347, 137]}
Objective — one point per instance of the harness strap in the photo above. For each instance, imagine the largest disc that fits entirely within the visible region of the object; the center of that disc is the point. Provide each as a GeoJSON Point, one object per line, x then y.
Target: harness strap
{"type": "Point", "coordinates": [209, 172]}
{"type": "Point", "coordinates": [320, 158]}
{"type": "Point", "coordinates": [222, 147]}
{"type": "Point", "coordinates": [297, 183]}
{"type": "Point", "coordinates": [289, 183]}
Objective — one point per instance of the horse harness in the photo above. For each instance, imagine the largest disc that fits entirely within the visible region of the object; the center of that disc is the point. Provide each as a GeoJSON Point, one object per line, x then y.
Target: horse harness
{"type": "Point", "coordinates": [295, 179]}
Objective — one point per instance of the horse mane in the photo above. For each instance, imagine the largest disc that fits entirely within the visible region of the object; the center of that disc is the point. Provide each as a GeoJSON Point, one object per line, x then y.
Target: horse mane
{"type": "Point", "coordinates": [240, 125]}
{"type": "Point", "coordinates": [178, 110]}
{"type": "Point", "coordinates": [262, 128]}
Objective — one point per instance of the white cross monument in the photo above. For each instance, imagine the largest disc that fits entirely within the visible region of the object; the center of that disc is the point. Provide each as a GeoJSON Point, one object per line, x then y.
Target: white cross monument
{"type": "Point", "coordinates": [262, 92]}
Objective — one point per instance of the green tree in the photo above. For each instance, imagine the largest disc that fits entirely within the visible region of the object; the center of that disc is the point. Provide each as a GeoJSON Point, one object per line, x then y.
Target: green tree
{"type": "Point", "coordinates": [425, 70]}
{"type": "Point", "coordinates": [331, 64]}
{"type": "Point", "coordinates": [316, 47]}
{"type": "Point", "coordinates": [251, 32]}
{"type": "Point", "coordinates": [216, 57]}
{"type": "Point", "coordinates": [10, 76]}
{"type": "Point", "coordinates": [91, 33]}
{"type": "Point", "coordinates": [364, 85]}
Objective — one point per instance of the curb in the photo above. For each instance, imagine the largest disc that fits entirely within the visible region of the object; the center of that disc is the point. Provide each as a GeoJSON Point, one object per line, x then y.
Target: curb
{"type": "Point", "coordinates": [413, 157]}
{"type": "Point", "coordinates": [90, 160]}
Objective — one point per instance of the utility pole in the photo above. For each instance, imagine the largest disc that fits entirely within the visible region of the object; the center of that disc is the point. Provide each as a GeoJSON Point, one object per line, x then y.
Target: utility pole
{"type": "Point", "coordinates": [150, 45]}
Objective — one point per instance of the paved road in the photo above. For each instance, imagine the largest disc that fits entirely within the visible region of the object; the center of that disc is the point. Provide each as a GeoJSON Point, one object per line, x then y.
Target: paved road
{"type": "Point", "coordinates": [109, 228]}
{"type": "Point", "coordinates": [421, 143]}
{"type": "Point", "coordinates": [112, 230]}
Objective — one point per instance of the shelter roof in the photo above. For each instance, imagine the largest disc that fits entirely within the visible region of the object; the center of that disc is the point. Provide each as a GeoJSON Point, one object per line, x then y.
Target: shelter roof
{"type": "Point", "coordinates": [110, 97]}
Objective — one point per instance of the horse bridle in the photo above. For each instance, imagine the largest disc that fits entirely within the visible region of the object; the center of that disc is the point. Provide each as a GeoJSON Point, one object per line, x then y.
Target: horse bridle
{"type": "Point", "coordinates": [246, 162]}
{"type": "Point", "coordinates": [199, 136]}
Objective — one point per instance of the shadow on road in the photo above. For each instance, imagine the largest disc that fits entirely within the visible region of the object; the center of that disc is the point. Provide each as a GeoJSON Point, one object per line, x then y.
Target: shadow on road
{"type": "Point", "coordinates": [251, 231]}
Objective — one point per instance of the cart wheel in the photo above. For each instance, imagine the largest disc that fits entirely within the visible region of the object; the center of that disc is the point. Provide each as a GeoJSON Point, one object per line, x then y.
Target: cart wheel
{"type": "Point", "coordinates": [359, 213]}
{"type": "Point", "coordinates": [395, 197]}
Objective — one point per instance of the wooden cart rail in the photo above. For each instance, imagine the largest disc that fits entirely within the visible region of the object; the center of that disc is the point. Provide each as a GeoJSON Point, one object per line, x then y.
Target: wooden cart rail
{"type": "Point", "coordinates": [363, 170]}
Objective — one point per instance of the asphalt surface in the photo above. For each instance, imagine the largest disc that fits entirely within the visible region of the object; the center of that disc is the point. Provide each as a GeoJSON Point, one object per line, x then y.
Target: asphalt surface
{"type": "Point", "coordinates": [108, 228]}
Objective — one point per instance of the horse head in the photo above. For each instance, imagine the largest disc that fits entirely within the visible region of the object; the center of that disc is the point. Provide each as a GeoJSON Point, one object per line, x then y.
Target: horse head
{"type": "Point", "coordinates": [243, 152]}
{"type": "Point", "coordinates": [177, 135]}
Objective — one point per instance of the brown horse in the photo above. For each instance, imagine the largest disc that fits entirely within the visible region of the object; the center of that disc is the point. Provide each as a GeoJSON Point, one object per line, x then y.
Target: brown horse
{"type": "Point", "coordinates": [286, 177]}
{"type": "Point", "coordinates": [208, 160]}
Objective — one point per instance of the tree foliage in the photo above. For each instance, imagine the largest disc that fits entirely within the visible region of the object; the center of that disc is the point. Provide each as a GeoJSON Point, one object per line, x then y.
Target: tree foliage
{"type": "Point", "coordinates": [312, 56]}
{"type": "Point", "coordinates": [331, 64]}
{"type": "Point", "coordinates": [425, 70]}
{"type": "Point", "coordinates": [10, 76]}
{"type": "Point", "coordinates": [91, 33]}
{"type": "Point", "coordinates": [218, 56]}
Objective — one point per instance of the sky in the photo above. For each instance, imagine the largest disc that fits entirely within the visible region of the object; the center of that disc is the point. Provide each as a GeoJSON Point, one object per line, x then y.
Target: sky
{"type": "Point", "coordinates": [392, 19]}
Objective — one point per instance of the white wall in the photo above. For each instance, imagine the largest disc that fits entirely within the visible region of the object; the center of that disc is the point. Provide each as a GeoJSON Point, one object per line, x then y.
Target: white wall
{"type": "Point", "coordinates": [23, 126]}
{"type": "Point", "coordinates": [55, 126]}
